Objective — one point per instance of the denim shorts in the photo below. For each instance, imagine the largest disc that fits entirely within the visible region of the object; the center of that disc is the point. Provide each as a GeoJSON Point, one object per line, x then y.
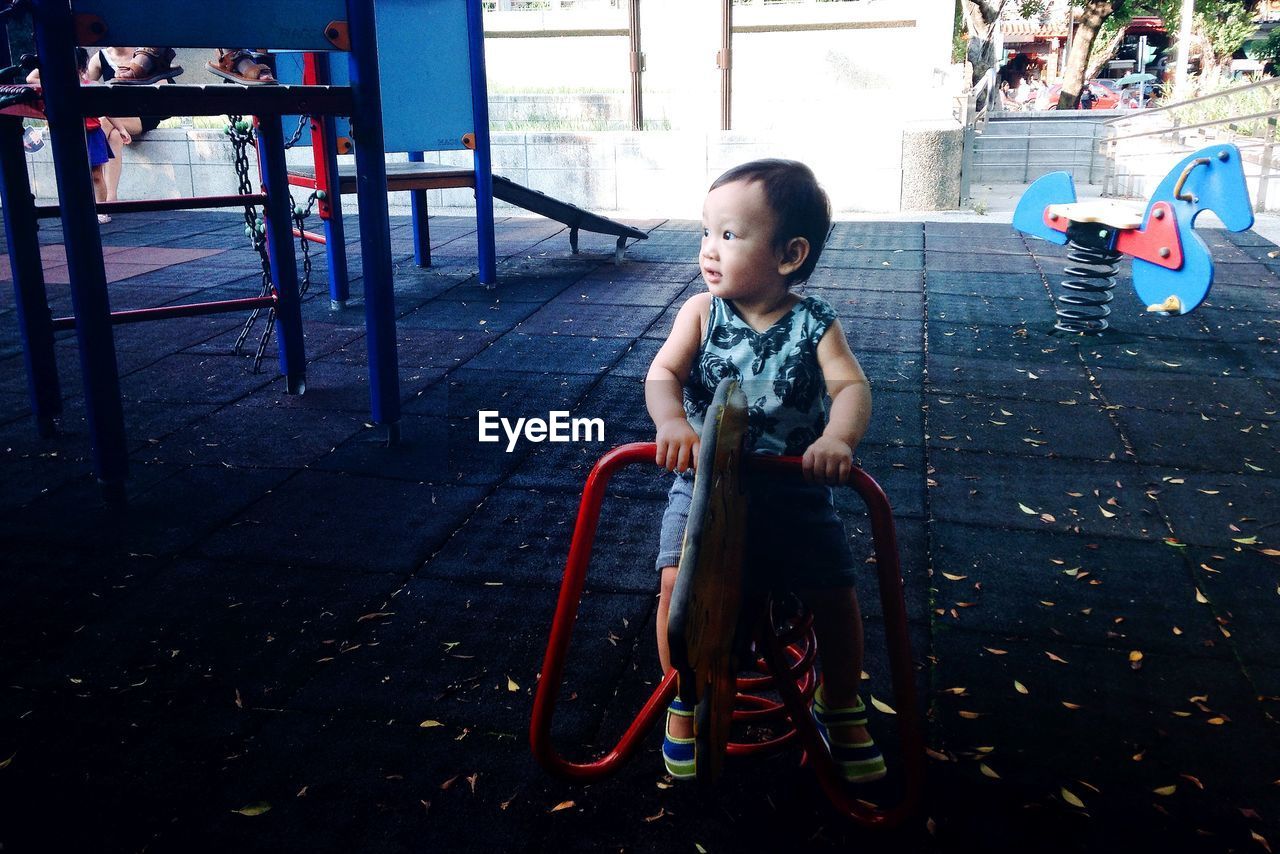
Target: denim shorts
{"type": "Point", "coordinates": [794, 539]}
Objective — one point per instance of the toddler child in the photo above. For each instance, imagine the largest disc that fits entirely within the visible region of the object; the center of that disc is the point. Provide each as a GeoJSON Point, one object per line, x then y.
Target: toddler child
{"type": "Point", "coordinates": [95, 131]}
{"type": "Point", "coordinates": [764, 224]}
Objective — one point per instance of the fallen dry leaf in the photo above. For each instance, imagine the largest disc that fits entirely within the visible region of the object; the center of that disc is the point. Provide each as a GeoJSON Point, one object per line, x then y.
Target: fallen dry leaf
{"type": "Point", "coordinates": [987, 771]}
{"type": "Point", "coordinates": [1056, 658]}
{"type": "Point", "coordinates": [996, 651]}
{"type": "Point", "coordinates": [254, 809]}
{"type": "Point", "coordinates": [563, 805]}
{"type": "Point", "coordinates": [1019, 687]}
{"type": "Point", "coordinates": [882, 706]}
{"type": "Point", "coordinates": [430, 724]}
{"type": "Point", "coordinates": [1195, 782]}
{"type": "Point", "coordinates": [1166, 790]}
{"type": "Point", "coordinates": [968, 715]}
{"type": "Point", "coordinates": [1070, 798]}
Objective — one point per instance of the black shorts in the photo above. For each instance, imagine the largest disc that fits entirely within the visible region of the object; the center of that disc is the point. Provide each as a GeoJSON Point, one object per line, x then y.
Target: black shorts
{"type": "Point", "coordinates": [794, 539]}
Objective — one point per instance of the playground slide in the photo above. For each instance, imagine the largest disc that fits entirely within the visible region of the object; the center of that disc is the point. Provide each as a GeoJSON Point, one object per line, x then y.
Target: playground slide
{"type": "Point", "coordinates": [427, 176]}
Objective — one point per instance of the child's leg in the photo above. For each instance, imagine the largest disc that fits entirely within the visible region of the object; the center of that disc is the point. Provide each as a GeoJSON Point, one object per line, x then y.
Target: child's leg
{"type": "Point", "coordinates": [837, 623]}
{"type": "Point", "coordinates": [111, 169]}
{"type": "Point", "coordinates": [99, 182]}
{"type": "Point", "coordinates": [678, 726]}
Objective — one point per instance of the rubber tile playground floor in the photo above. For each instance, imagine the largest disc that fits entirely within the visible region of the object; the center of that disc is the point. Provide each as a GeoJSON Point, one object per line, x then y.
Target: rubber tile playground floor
{"type": "Point", "coordinates": [297, 639]}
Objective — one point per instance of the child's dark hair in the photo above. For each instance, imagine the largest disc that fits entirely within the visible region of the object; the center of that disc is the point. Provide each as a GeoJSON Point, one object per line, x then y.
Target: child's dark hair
{"type": "Point", "coordinates": [801, 205]}
{"type": "Point", "coordinates": [82, 60]}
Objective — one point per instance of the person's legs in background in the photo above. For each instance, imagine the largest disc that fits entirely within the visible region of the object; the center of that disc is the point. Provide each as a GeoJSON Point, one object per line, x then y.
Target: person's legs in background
{"type": "Point", "coordinates": [123, 134]}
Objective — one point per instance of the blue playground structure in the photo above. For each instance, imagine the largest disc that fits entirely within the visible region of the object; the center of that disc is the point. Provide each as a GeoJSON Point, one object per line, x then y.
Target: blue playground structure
{"type": "Point", "coordinates": [436, 101]}
{"type": "Point", "coordinates": [308, 25]}
{"type": "Point", "coordinates": [435, 98]}
{"type": "Point", "coordinates": [1172, 267]}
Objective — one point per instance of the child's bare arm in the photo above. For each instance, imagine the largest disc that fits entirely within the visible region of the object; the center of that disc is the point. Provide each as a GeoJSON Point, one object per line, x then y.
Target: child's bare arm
{"type": "Point", "coordinates": [830, 458]}
{"type": "Point", "coordinates": [664, 387]}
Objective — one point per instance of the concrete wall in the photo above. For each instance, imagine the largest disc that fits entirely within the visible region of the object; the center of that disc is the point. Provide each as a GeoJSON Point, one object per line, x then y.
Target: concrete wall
{"type": "Point", "coordinates": [883, 168]}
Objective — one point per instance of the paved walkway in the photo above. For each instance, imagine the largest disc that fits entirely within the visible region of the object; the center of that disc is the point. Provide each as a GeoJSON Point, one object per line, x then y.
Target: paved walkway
{"type": "Point", "coordinates": [296, 639]}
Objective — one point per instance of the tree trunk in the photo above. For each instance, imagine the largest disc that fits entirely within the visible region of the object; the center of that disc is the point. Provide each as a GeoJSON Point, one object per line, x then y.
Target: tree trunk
{"type": "Point", "coordinates": [980, 18]}
{"type": "Point", "coordinates": [1099, 58]}
{"type": "Point", "coordinates": [1095, 12]}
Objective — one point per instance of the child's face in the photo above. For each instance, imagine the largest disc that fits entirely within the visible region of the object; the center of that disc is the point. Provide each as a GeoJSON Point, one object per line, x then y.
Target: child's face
{"type": "Point", "coordinates": [737, 257]}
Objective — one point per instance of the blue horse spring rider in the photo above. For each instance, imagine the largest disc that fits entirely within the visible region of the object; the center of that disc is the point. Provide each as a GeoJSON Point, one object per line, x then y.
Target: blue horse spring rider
{"type": "Point", "coordinates": [1172, 267]}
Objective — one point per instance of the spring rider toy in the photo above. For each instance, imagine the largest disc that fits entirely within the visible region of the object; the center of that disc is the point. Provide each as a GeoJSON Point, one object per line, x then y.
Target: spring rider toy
{"type": "Point", "coordinates": [715, 635]}
{"type": "Point", "coordinates": [1172, 267]}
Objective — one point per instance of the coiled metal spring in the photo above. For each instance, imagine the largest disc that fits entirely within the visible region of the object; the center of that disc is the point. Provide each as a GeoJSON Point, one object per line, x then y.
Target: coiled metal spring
{"type": "Point", "coordinates": [1091, 272]}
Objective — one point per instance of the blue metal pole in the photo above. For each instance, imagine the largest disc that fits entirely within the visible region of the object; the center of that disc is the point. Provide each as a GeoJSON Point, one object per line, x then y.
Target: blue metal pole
{"type": "Point", "coordinates": [284, 261]}
{"type": "Point", "coordinates": [375, 223]}
{"type": "Point", "coordinates": [421, 228]}
{"type": "Point", "coordinates": [483, 156]}
{"type": "Point", "coordinates": [55, 42]}
{"type": "Point", "coordinates": [30, 298]}
{"type": "Point", "coordinates": [335, 233]}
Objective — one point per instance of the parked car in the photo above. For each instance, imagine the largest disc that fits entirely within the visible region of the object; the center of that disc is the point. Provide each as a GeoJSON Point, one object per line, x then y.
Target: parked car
{"type": "Point", "coordinates": [1104, 92]}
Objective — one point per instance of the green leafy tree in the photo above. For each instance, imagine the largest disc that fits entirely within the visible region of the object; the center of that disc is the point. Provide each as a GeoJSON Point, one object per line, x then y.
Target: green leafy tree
{"type": "Point", "coordinates": [1219, 28]}
{"type": "Point", "coordinates": [1221, 33]}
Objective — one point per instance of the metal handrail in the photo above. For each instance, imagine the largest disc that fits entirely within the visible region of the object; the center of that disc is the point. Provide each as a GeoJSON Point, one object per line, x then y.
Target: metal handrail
{"type": "Point", "coordinates": [1211, 123]}
{"type": "Point", "coordinates": [1142, 114]}
{"type": "Point", "coordinates": [971, 119]}
{"type": "Point", "coordinates": [1171, 127]}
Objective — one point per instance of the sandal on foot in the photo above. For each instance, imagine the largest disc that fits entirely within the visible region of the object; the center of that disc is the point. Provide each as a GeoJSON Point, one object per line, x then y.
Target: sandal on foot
{"type": "Point", "coordinates": [241, 66]}
{"type": "Point", "coordinates": [149, 65]}
{"type": "Point", "coordinates": [678, 753]}
{"type": "Point", "coordinates": [859, 762]}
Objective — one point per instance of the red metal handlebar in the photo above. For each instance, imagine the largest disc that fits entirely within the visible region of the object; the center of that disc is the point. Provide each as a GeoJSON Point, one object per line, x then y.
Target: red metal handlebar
{"type": "Point", "coordinates": [575, 573]}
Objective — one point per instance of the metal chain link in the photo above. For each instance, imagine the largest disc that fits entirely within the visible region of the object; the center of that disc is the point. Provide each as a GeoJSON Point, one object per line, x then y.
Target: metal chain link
{"type": "Point", "coordinates": [23, 95]}
{"type": "Point", "coordinates": [242, 138]}
{"type": "Point", "coordinates": [297, 133]}
{"type": "Point", "coordinates": [241, 134]}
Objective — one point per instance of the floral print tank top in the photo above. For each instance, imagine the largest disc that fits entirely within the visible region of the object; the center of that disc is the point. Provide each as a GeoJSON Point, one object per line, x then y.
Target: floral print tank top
{"type": "Point", "coordinates": [777, 370]}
